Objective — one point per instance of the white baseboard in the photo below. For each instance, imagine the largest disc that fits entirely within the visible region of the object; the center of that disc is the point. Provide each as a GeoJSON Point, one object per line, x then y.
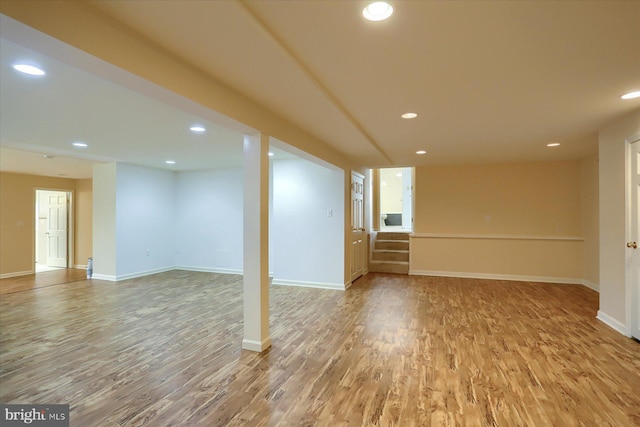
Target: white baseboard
{"type": "Point", "coordinates": [80, 267]}
{"type": "Point", "coordinates": [106, 277]}
{"type": "Point", "coordinates": [320, 285]}
{"type": "Point", "coordinates": [612, 323]}
{"type": "Point", "coordinates": [258, 346]}
{"type": "Point", "coordinates": [591, 285]}
{"type": "Point", "coordinates": [209, 269]}
{"type": "Point", "coordinates": [16, 274]}
{"type": "Point", "coordinates": [510, 277]}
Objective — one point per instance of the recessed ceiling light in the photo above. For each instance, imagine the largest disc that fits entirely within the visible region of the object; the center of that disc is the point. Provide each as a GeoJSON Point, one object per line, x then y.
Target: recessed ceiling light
{"type": "Point", "coordinates": [631, 95]}
{"type": "Point", "coordinates": [170, 162]}
{"type": "Point", "coordinates": [409, 116]}
{"type": "Point", "coordinates": [29, 69]}
{"type": "Point", "coordinates": [377, 11]}
{"type": "Point", "coordinates": [270, 154]}
{"type": "Point", "coordinates": [553, 144]}
{"type": "Point", "coordinates": [197, 129]}
{"type": "Point", "coordinates": [80, 144]}
{"type": "Point", "coordinates": [421, 152]}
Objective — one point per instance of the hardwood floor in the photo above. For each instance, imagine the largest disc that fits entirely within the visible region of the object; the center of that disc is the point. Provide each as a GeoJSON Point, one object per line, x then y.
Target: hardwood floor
{"type": "Point", "coordinates": [392, 350]}
{"type": "Point", "coordinates": [41, 280]}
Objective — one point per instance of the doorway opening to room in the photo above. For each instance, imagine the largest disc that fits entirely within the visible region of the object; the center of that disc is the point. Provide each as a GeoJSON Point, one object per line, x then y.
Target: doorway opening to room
{"type": "Point", "coordinates": [396, 199]}
{"type": "Point", "coordinates": [53, 229]}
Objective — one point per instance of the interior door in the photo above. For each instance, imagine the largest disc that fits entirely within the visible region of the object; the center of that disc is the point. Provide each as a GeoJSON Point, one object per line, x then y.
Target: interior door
{"type": "Point", "coordinates": [633, 252]}
{"type": "Point", "coordinates": [57, 229]}
{"type": "Point", "coordinates": [358, 242]}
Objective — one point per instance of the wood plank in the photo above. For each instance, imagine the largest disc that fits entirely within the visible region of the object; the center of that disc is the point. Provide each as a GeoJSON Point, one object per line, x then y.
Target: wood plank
{"type": "Point", "coordinates": [165, 350]}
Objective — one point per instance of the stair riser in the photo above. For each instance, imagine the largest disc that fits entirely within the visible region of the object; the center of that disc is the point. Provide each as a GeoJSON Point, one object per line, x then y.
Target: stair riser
{"type": "Point", "coordinates": [386, 235]}
{"type": "Point", "coordinates": [398, 246]}
{"type": "Point", "coordinates": [390, 256]}
{"type": "Point", "coordinates": [388, 268]}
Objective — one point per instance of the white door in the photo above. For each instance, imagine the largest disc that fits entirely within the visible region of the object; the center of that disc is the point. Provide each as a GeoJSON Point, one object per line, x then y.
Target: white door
{"type": "Point", "coordinates": [633, 252]}
{"type": "Point", "coordinates": [358, 245]}
{"type": "Point", "coordinates": [57, 229]}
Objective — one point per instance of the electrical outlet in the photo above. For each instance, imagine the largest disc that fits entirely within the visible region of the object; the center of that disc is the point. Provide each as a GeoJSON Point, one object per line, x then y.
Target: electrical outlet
{"type": "Point", "coordinates": [148, 252]}
{"type": "Point", "coordinates": [487, 218]}
{"type": "Point", "coordinates": [329, 212]}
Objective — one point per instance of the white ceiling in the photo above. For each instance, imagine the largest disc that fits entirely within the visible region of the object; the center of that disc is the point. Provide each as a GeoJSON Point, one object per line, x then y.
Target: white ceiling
{"type": "Point", "coordinates": [491, 81]}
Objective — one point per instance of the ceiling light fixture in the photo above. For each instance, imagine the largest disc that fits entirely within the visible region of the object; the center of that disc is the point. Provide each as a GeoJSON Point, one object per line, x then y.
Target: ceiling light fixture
{"type": "Point", "coordinates": [29, 69]}
{"type": "Point", "coordinates": [80, 144]}
{"type": "Point", "coordinates": [409, 116]}
{"type": "Point", "coordinates": [170, 162]}
{"type": "Point", "coordinates": [631, 95]}
{"type": "Point", "coordinates": [197, 129]}
{"type": "Point", "coordinates": [553, 144]}
{"type": "Point", "coordinates": [270, 154]}
{"type": "Point", "coordinates": [377, 11]}
{"type": "Point", "coordinates": [421, 152]}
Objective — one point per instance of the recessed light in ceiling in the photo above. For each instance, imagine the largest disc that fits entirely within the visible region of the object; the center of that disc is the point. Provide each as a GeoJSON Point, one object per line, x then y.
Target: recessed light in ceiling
{"type": "Point", "coordinates": [631, 95]}
{"type": "Point", "coordinates": [170, 162]}
{"type": "Point", "coordinates": [270, 154]}
{"type": "Point", "coordinates": [421, 152]}
{"type": "Point", "coordinates": [29, 69]}
{"type": "Point", "coordinates": [409, 116]}
{"type": "Point", "coordinates": [553, 144]}
{"type": "Point", "coordinates": [80, 144]}
{"type": "Point", "coordinates": [377, 11]}
{"type": "Point", "coordinates": [197, 129]}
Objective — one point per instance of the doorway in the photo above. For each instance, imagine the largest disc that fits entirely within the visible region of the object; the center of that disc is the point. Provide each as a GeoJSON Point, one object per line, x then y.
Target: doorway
{"type": "Point", "coordinates": [52, 229]}
{"type": "Point", "coordinates": [396, 199]}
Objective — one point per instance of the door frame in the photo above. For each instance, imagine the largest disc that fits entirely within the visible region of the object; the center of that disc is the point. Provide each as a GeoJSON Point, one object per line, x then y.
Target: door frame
{"type": "Point", "coordinates": [70, 224]}
{"type": "Point", "coordinates": [629, 285]}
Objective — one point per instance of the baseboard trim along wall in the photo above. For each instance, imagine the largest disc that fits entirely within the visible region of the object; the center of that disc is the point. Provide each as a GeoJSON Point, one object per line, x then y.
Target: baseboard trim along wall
{"type": "Point", "coordinates": [493, 237]}
{"type": "Point", "coordinates": [80, 267]}
{"type": "Point", "coordinates": [303, 284]}
{"type": "Point", "coordinates": [510, 277]}
{"type": "Point", "coordinates": [209, 269]}
{"type": "Point", "coordinates": [16, 274]}
{"type": "Point", "coordinates": [612, 323]}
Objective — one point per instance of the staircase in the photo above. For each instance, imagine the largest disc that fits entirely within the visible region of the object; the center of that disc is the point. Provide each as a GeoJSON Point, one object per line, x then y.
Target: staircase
{"type": "Point", "coordinates": [390, 253]}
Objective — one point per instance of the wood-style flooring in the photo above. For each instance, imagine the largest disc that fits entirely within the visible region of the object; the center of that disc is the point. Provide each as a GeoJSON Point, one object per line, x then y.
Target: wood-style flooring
{"type": "Point", "coordinates": [165, 350]}
{"type": "Point", "coordinates": [41, 280]}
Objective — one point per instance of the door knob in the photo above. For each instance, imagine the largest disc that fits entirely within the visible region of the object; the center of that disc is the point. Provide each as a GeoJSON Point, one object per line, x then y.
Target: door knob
{"type": "Point", "coordinates": [633, 245]}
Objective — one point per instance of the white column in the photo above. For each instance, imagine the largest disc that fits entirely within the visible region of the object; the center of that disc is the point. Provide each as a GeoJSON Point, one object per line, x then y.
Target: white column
{"type": "Point", "coordinates": [256, 243]}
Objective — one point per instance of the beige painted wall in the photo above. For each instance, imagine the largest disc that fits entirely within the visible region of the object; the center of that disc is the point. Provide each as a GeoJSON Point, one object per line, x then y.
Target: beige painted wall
{"type": "Point", "coordinates": [17, 218]}
{"type": "Point", "coordinates": [612, 150]}
{"type": "Point", "coordinates": [83, 213]}
{"type": "Point", "coordinates": [468, 219]}
{"type": "Point", "coordinates": [590, 220]}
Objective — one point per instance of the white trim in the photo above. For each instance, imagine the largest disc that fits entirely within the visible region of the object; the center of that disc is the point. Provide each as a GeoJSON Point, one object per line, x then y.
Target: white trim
{"type": "Point", "coordinates": [105, 277]}
{"type": "Point", "coordinates": [591, 285]}
{"type": "Point", "coordinates": [493, 237]}
{"type": "Point", "coordinates": [143, 273]}
{"type": "Point", "coordinates": [510, 277]}
{"type": "Point", "coordinates": [612, 323]}
{"type": "Point", "coordinates": [628, 288]}
{"type": "Point", "coordinates": [209, 269]}
{"type": "Point", "coordinates": [80, 267]}
{"type": "Point", "coordinates": [258, 346]}
{"type": "Point", "coordinates": [16, 274]}
{"type": "Point", "coordinates": [303, 284]}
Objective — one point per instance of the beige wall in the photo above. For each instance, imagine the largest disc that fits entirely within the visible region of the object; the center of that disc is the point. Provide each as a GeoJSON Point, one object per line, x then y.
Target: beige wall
{"type": "Point", "coordinates": [590, 220]}
{"type": "Point", "coordinates": [612, 150]}
{"type": "Point", "coordinates": [17, 218]}
{"type": "Point", "coordinates": [83, 213]}
{"type": "Point", "coordinates": [517, 221]}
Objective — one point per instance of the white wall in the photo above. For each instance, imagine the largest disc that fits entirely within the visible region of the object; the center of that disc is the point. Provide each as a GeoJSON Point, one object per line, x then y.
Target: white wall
{"type": "Point", "coordinates": [209, 220]}
{"type": "Point", "coordinates": [307, 245]}
{"type": "Point", "coordinates": [612, 149]}
{"type": "Point", "coordinates": [145, 219]}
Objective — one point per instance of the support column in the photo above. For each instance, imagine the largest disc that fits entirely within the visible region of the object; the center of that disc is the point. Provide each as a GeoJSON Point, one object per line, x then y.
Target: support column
{"type": "Point", "coordinates": [256, 243]}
